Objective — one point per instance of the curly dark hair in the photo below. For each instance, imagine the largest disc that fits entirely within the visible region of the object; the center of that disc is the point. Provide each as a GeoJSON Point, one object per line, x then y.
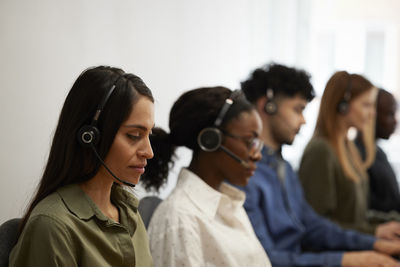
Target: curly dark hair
{"type": "Point", "coordinates": [193, 111]}
{"type": "Point", "coordinates": [281, 79]}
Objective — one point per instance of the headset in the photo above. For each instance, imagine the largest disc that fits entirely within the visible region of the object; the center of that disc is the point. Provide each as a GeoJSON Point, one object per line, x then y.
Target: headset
{"type": "Point", "coordinates": [89, 135]}
{"type": "Point", "coordinates": [344, 103]}
{"type": "Point", "coordinates": [271, 108]}
{"type": "Point", "coordinates": [210, 139]}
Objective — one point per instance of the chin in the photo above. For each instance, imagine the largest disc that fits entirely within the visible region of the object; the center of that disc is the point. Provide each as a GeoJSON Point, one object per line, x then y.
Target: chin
{"type": "Point", "coordinates": [289, 141]}
{"type": "Point", "coordinates": [244, 181]}
{"type": "Point", "coordinates": [133, 179]}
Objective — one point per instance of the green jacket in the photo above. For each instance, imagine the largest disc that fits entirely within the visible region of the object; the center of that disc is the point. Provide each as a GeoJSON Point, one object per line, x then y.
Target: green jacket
{"type": "Point", "coordinates": [330, 192]}
{"type": "Point", "coordinates": [68, 229]}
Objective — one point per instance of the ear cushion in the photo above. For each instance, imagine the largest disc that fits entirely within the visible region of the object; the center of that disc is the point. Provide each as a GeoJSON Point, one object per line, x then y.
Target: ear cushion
{"type": "Point", "coordinates": [209, 139]}
{"type": "Point", "coordinates": [270, 107]}
{"type": "Point", "coordinates": [343, 107]}
{"type": "Point", "coordinates": [88, 135]}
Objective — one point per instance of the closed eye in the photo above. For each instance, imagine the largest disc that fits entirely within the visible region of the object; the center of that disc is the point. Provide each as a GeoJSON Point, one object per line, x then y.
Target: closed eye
{"type": "Point", "coordinates": [134, 137]}
{"type": "Point", "coordinates": [299, 110]}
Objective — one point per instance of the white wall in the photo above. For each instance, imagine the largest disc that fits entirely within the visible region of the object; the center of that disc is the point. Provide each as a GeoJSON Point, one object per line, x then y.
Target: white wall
{"type": "Point", "coordinates": [360, 36]}
{"type": "Point", "coordinates": [173, 45]}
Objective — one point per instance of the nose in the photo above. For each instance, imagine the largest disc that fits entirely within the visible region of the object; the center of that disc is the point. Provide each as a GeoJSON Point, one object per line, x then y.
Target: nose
{"type": "Point", "coordinates": [145, 150]}
{"type": "Point", "coordinates": [303, 120]}
{"type": "Point", "coordinates": [256, 155]}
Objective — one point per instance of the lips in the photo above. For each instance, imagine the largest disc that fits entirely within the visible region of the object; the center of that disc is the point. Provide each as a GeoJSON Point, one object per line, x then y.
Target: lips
{"type": "Point", "coordinates": [251, 170]}
{"type": "Point", "coordinates": [138, 168]}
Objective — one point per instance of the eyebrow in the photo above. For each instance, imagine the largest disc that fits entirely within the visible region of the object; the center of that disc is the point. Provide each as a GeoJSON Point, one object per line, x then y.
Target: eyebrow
{"type": "Point", "coordinates": [138, 126]}
{"type": "Point", "coordinates": [301, 106]}
{"type": "Point", "coordinates": [253, 134]}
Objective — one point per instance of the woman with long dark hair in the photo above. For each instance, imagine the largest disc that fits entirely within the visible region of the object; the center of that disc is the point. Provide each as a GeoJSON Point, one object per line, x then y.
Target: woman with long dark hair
{"type": "Point", "coordinates": [81, 215]}
{"type": "Point", "coordinates": [203, 222]}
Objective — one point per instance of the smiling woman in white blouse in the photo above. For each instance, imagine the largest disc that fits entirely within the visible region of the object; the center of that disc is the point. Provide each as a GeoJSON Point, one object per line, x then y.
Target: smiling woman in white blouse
{"type": "Point", "coordinates": [202, 222]}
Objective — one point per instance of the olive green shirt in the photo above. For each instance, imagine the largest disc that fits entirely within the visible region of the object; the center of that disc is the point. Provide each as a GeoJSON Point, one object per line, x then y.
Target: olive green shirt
{"type": "Point", "coordinates": [330, 192]}
{"type": "Point", "coordinates": [68, 229]}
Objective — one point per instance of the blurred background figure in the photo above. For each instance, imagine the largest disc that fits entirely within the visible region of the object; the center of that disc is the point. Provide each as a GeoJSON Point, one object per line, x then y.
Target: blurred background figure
{"type": "Point", "coordinates": [291, 232]}
{"type": "Point", "coordinates": [384, 188]}
{"type": "Point", "coordinates": [332, 171]}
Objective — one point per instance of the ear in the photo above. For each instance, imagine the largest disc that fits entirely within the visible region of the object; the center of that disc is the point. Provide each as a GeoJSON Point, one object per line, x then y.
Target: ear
{"type": "Point", "coordinates": [260, 104]}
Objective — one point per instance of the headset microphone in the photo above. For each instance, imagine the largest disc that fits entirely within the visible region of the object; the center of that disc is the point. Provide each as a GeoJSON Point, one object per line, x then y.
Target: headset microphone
{"type": "Point", "coordinates": [108, 169]}
{"type": "Point", "coordinates": [235, 157]}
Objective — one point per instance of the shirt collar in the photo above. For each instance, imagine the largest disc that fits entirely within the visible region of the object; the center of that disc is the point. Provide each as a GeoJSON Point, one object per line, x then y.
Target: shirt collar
{"type": "Point", "coordinates": [80, 204]}
{"type": "Point", "coordinates": [269, 155]}
{"type": "Point", "coordinates": [121, 197]}
{"type": "Point", "coordinates": [206, 198]}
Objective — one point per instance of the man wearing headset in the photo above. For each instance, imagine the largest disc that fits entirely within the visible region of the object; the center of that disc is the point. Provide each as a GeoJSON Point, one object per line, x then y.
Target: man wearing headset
{"type": "Point", "coordinates": [288, 228]}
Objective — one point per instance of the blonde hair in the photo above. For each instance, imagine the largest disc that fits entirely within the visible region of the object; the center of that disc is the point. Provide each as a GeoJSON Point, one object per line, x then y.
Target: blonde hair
{"type": "Point", "coordinates": [330, 123]}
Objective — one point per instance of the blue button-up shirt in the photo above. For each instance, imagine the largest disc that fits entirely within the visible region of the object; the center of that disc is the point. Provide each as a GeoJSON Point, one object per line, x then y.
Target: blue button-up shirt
{"type": "Point", "coordinates": [285, 223]}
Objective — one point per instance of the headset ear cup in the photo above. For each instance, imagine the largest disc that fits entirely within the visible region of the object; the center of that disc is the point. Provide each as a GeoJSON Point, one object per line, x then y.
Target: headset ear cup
{"type": "Point", "coordinates": [88, 135]}
{"type": "Point", "coordinates": [270, 107]}
{"type": "Point", "coordinates": [343, 107]}
{"type": "Point", "coordinates": [209, 139]}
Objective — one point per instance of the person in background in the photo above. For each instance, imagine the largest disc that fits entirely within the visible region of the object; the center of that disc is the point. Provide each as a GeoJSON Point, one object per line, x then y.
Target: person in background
{"type": "Point", "coordinates": [332, 172]}
{"type": "Point", "coordinates": [384, 192]}
{"type": "Point", "coordinates": [81, 215]}
{"type": "Point", "coordinates": [203, 222]}
{"type": "Point", "coordinates": [291, 232]}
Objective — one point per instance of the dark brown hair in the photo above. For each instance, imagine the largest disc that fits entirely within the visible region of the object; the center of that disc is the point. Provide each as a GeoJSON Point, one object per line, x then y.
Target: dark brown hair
{"type": "Point", "coordinates": [69, 162]}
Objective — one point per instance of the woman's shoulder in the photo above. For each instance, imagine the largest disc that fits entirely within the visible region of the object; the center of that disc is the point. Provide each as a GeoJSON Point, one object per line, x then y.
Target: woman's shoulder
{"type": "Point", "coordinates": [45, 223]}
{"type": "Point", "coordinates": [47, 218]}
{"type": "Point", "coordinates": [318, 150]}
{"type": "Point", "coordinates": [318, 144]}
{"type": "Point", "coordinates": [55, 207]}
{"type": "Point", "coordinates": [175, 205]}
{"type": "Point", "coordinates": [176, 210]}
{"type": "Point", "coordinates": [50, 206]}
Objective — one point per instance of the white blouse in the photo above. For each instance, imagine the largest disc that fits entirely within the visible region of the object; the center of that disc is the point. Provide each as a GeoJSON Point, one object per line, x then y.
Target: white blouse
{"type": "Point", "coordinates": [199, 226]}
